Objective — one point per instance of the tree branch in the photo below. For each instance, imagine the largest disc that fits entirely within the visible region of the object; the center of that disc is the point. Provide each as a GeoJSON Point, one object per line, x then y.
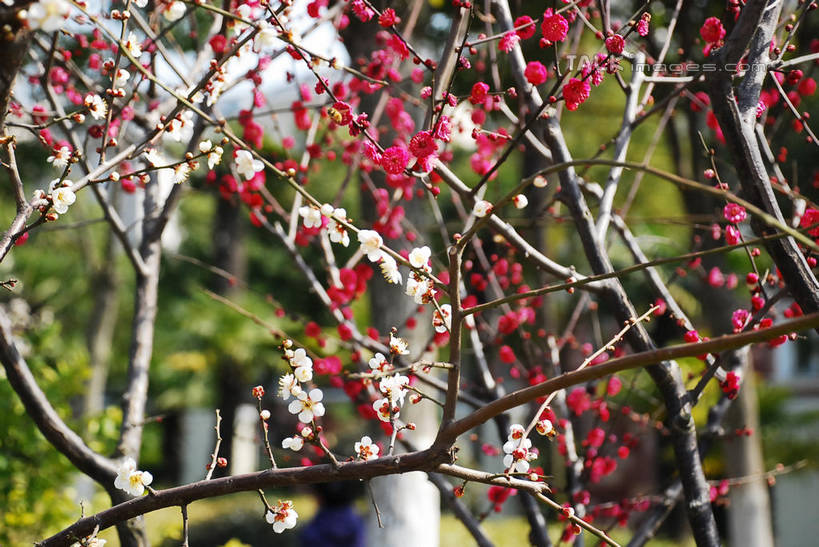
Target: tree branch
{"type": "Point", "coordinates": [270, 478]}
{"type": "Point", "coordinates": [619, 364]}
{"type": "Point", "coordinates": [738, 130]}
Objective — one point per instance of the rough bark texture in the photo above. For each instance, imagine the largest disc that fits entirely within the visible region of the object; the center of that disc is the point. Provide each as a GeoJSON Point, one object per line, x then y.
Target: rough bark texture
{"type": "Point", "coordinates": [132, 533]}
{"type": "Point", "coordinates": [735, 110]}
{"type": "Point", "coordinates": [271, 478]}
{"type": "Point", "coordinates": [14, 47]}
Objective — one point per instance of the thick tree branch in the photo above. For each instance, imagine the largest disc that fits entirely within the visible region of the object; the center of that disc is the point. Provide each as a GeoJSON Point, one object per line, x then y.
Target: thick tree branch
{"type": "Point", "coordinates": [270, 478]}
{"type": "Point", "coordinates": [619, 364]}
{"type": "Point", "coordinates": [142, 330]}
{"type": "Point", "coordinates": [736, 116]}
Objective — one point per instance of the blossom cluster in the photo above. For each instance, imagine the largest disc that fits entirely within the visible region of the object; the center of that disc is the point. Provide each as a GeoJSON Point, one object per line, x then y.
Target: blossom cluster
{"type": "Point", "coordinates": [306, 404]}
{"type": "Point", "coordinates": [130, 479]}
{"type": "Point", "coordinates": [282, 516]}
{"type": "Point", "coordinates": [518, 450]}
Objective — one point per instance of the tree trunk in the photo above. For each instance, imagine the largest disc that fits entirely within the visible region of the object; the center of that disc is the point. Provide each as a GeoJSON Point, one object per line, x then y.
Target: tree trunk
{"type": "Point", "coordinates": [409, 503]}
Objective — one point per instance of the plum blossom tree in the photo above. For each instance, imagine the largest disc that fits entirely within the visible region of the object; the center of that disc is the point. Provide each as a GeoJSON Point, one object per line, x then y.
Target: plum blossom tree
{"type": "Point", "coordinates": [538, 287]}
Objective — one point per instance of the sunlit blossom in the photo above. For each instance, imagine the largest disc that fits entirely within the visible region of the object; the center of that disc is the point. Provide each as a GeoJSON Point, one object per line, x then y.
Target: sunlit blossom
{"type": "Point", "coordinates": [59, 158]}
{"type": "Point", "coordinates": [62, 196]}
{"type": "Point", "coordinates": [308, 405]}
{"type": "Point", "coordinates": [282, 517]}
{"type": "Point", "coordinates": [247, 165]}
{"type": "Point", "coordinates": [48, 15]}
{"type": "Point", "coordinates": [371, 243]}
{"type": "Point", "coordinates": [365, 449]}
{"type": "Point", "coordinates": [130, 479]}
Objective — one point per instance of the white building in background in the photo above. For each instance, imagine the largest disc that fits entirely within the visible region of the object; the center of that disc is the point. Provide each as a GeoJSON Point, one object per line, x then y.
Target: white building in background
{"type": "Point", "coordinates": [795, 497]}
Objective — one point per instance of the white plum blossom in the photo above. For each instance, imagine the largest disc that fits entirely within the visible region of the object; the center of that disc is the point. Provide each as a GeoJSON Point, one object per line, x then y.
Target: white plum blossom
{"type": "Point", "coordinates": [398, 346]}
{"type": "Point", "coordinates": [301, 359]}
{"type": "Point", "coordinates": [289, 386]}
{"type": "Point", "coordinates": [133, 46]}
{"type": "Point", "coordinates": [441, 320]}
{"type": "Point", "coordinates": [311, 216]}
{"type": "Point", "coordinates": [174, 11]}
{"type": "Point", "coordinates": [245, 11]}
{"type": "Point", "coordinates": [130, 479]}
{"type": "Point", "coordinates": [214, 153]}
{"type": "Point", "coordinates": [96, 106]}
{"type": "Point", "coordinates": [294, 443]}
{"type": "Point", "coordinates": [516, 431]}
{"type": "Point", "coordinates": [365, 449]}
{"type": "Point", "coordinates": [389, 269]}
{"type": "Point", "coordinates": [308, 405]}
{"type": "Point", "coordinates": [338, 233]}
{"type": "Point", "coordinates": [395, 388]}
{"type": "Point", "coordinates": [303, 374]}
{"type": "Point", "coordinates": [379, 362]}
{"type": "Point", "coordinates": [419, 257]}
{"type": "Point", "coordinates": [265, 38]}
{"type": "Point", "coordinates": [153, 157]}
{"type": "Point", "coordinates": [194, 95]}
{"type": "Point", "coordinates": [520, 201]}
{"type": "Point", "coordinates": [382, 409]}
{"type": "Point", "coordinates": [481, 208]}
{"type": "Point", "coordinates": [264, 414]}
{"type": "Point", "coordinates": [60, 158]}
{"type": "Point", "coordinates": [371, 243]}
{"type": "Point", "coordinates": [545, 427]}
{"type": "Point", "coordinates": [302, 366]}
{"type": "Point", "coordinates": [282, 517]}
{"type": "Point", "coordinates": [62, 196]}
{"type": "Point", "coordinates": [420, 288]}
{"type": "Point", "coordinates": [217, 85]}
{"type": "Point", "coordinates": [180, 129]}
{"type": "Point", "coordinates": [122, 77]}
{"type": "Point", "coordinates": [181, 172]}
{"type": "Point", "coordinates": [517, 451]}
{"type": "Point", "coordinates": [48, 15]}
{"type": "Point", "coordinates": [247, 165]}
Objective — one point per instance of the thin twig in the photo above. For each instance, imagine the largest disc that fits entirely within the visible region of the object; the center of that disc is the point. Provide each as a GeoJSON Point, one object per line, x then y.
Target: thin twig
{"type": "Point", "coordinates": [265, 428]}
{"type": "Point", "coordinates": [184, 508]}
{"type": "Point", "coordinates": [375, 505]}
{"type": "Point", "coordinates": [215, 456]}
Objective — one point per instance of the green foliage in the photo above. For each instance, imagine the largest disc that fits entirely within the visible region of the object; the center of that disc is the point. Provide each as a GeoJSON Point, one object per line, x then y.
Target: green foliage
{"type": "Point", "coordinates": [37, 501]}
{"type": "Point", "coordinates": [788, 434]}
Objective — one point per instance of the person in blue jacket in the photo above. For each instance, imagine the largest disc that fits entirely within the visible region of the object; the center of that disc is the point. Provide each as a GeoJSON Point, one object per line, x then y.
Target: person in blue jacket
{"type": "Point", "coordinates": [336, 524]}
